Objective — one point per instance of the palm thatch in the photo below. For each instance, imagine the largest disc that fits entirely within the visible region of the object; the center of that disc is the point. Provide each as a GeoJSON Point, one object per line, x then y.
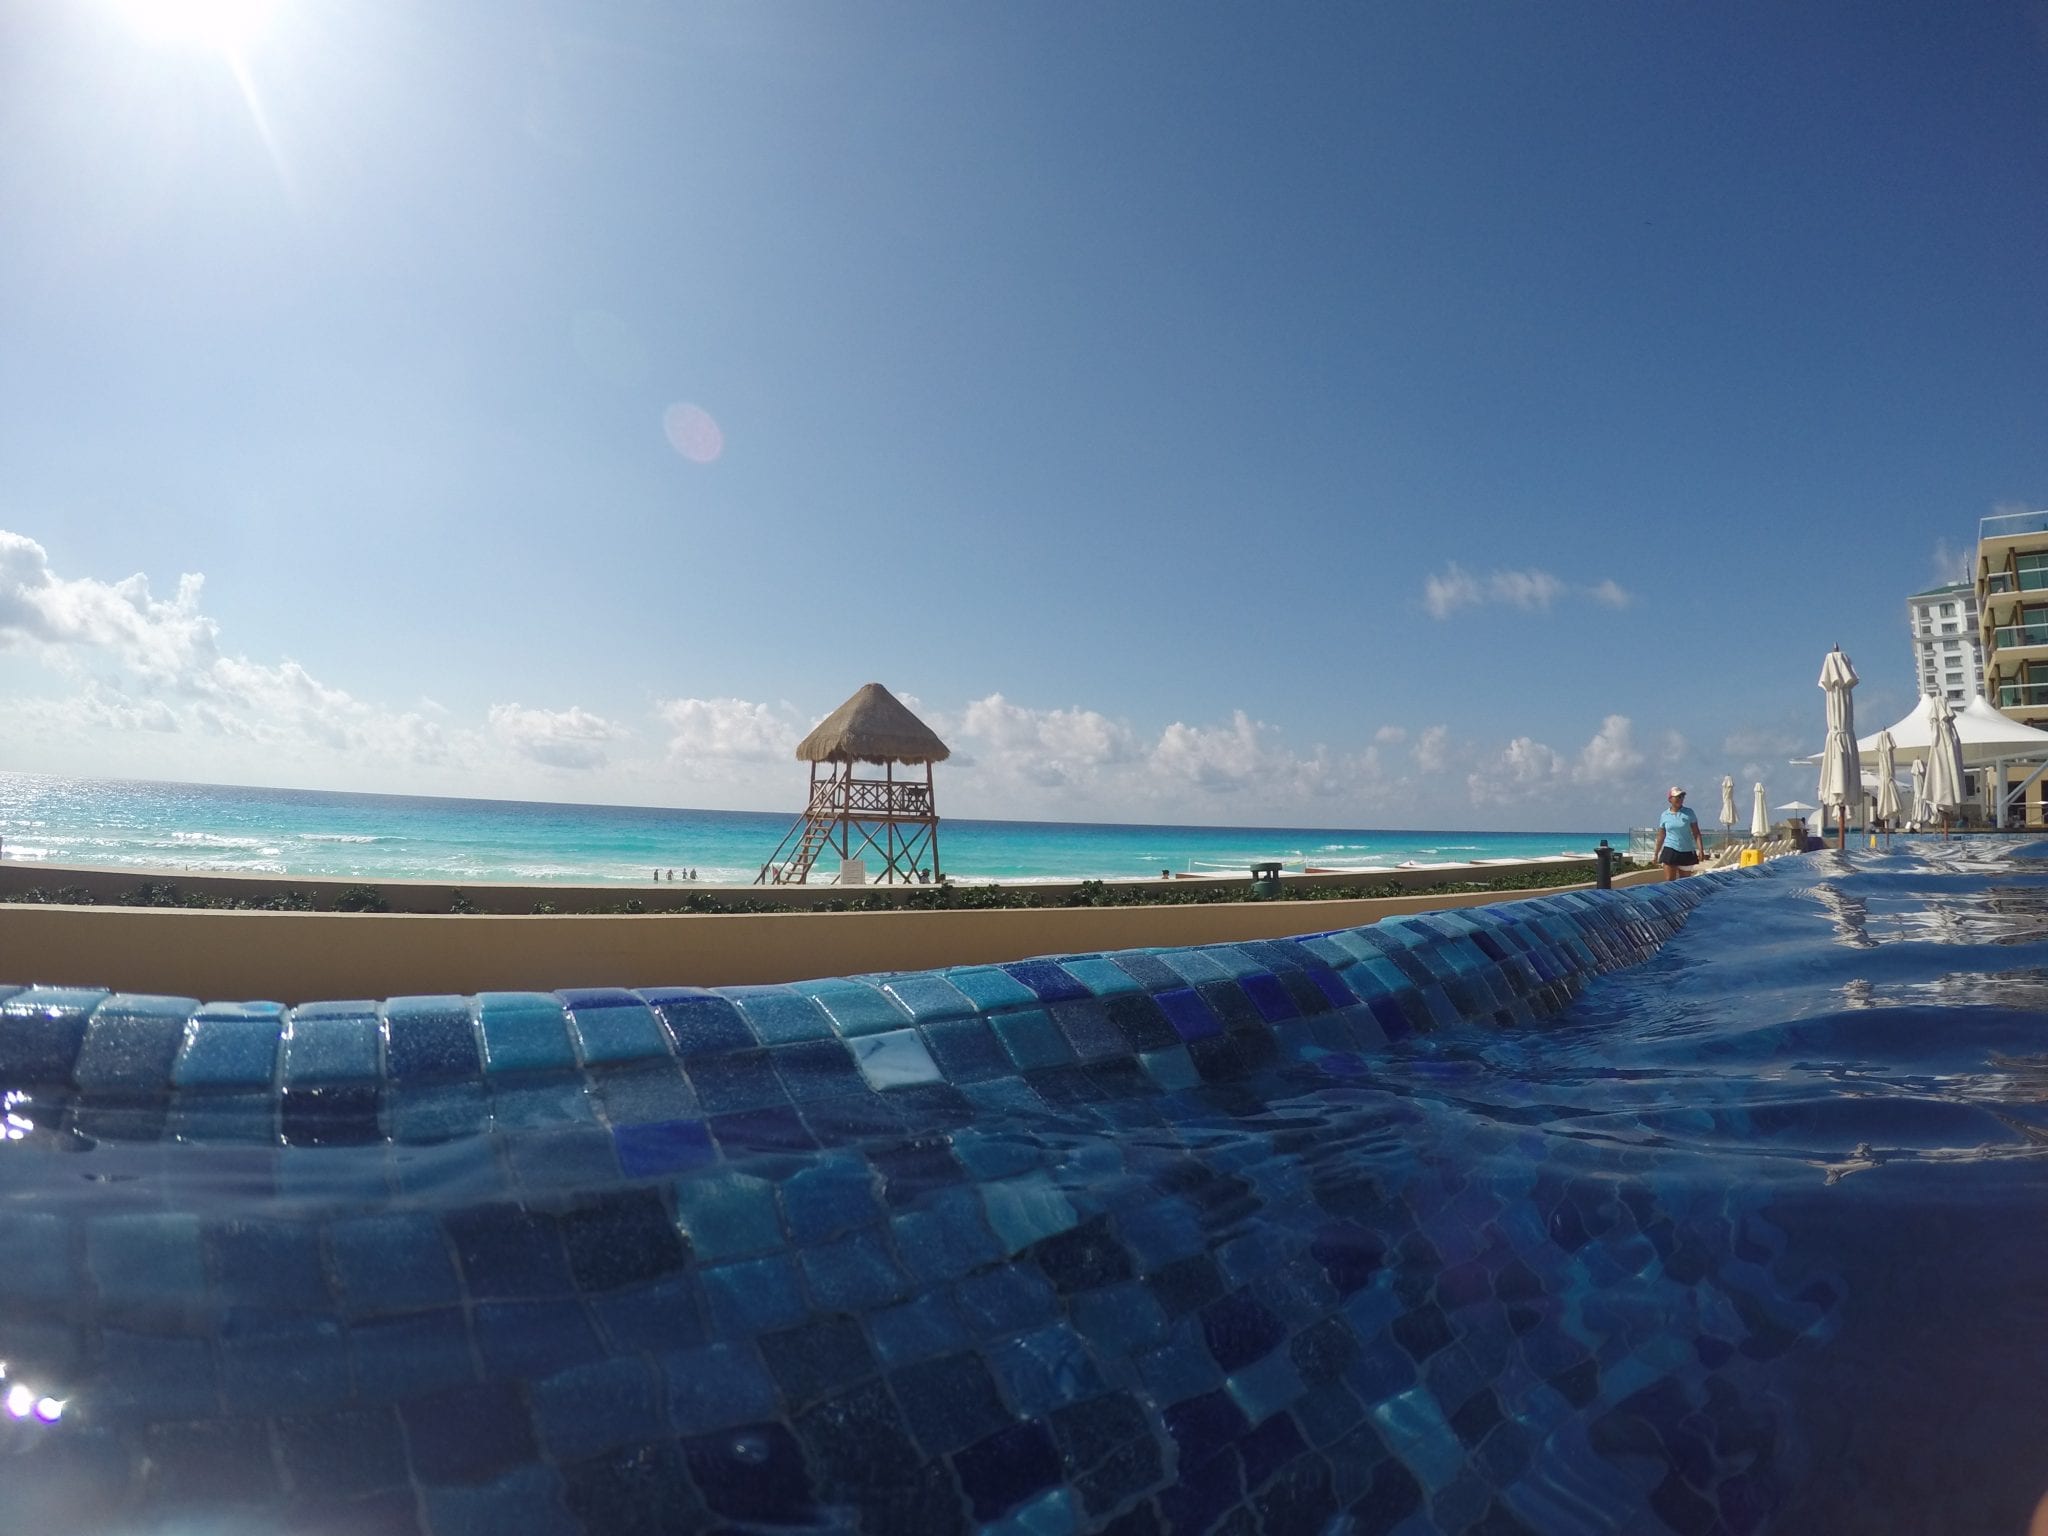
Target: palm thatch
{"type": "Point", "coordinates": [872, 727]}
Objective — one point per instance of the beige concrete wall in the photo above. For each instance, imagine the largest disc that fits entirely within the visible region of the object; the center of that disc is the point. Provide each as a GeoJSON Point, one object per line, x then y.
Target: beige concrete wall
{"type": "Point", "coordinates": [296, 957]}
{"type": "Point", "coordinates": [438, 896]}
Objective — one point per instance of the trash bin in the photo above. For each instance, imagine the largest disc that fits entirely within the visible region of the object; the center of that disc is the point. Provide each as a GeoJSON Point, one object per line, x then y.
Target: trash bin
{"type": "Point", "coordinates": [1265, 881]}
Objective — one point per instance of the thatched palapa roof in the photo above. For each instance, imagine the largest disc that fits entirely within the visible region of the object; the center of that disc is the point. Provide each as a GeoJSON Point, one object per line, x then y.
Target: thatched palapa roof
{"type": "Point", "coordinates": [872, 727]}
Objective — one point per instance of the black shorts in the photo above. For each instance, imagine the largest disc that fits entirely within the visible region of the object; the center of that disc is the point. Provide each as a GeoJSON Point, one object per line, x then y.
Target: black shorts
{"type": "Point", "coordinates": [1673, 856]}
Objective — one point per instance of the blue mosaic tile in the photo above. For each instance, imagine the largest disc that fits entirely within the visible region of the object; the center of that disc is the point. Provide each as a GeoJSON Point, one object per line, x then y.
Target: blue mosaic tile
{"type": "Point", "coordinates": [829, 1196]}
{"type": "Point", "coordinates": [130, 1043]}
{"type": "Point", "coordinates": [429, 1037]}
{"type": "Point", "coordinates": [41, 1030]}
{"type": "Point", "coordinates": [1048, 981]}
{"type": "Point", "coordinates": [818, 1069]}
{"type": "Point", "coordinates": [568, 1157]}
{"type": "Point", "coordinates": [526, 1501]}
{"type": "Point", "coordinates": [38, 1263]}
{"type": "Point", "coordinates": [1102, 976]}
{"type": "Point", "coordinates": [146, 1259]}
{"type": "Point", "coordinates": [525, 1339]}
{"type": "Point", "coordinates": [1193, 966]}
{"type": "Point", "coordinates": [781, 1015]}
{"type": "Point", "coordinates": [1027, 1210]}
{"type": "Point", "coordinates": [510, 1253]}
{"type": "Point", "coordinates": [1031, 1039]}
{"type": "Point", "coordinates": [927, 998]}
{"type": "Point", "coordinates": [988, 987]}
{"type": "Point", "coordinates": [928, 1324]}
{"type": "Point", "coordinates": [1189, 1014]}
{"type": "Point", "coordinates": [856, 1008]}
{"type": "Point", "coordinates": [332, 1043]}
{"type": "Point", "coordinates": [613, 1025]}
{"type": "Point", "coordinates": [728, 1215]}
{"type": "Point", "coordinates": [855, 1273]}
{"type": "Point", "coordinates": [396, 1357]}
{"type": "Point", "coordinates": [737, 1080]}
{"type": "Point", "coordinates": [752, 1296]}
{"type": "Point", "coordinates": [1045, 1369]}
{"type": "Point", "coordinates": [717, 1385]}
{"type": "Point", "coordinates": [642, 1094]}
{"type": "Point", "coordinates": [230, 1045]}
{"type": "Point", "coordinates": [596, 1407]}
{"type": "Point", "coordinates": [701, 1022]}
{"type": "Point", "coordinates": [396, 1262]}
{"type": "Point", "coordinates": [524, 1032]}
{"type": "Point", "coordinates": [266, 1263]}
{"type": "Point", "coordinates": [278, 1362]}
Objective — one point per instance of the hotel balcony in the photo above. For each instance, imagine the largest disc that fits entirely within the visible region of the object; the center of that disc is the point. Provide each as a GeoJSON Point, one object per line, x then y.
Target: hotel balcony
{"type": "Point", "coordinates": [2017, 639]}
{"type": "Point", "coordinates": [2012, 525]}
{"type": "Point", "coordinates": [2021, 696]}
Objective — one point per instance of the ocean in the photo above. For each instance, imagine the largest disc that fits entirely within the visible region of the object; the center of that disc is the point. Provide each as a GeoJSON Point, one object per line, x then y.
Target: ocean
{"type": "Point", "coordinates": [233, 829]}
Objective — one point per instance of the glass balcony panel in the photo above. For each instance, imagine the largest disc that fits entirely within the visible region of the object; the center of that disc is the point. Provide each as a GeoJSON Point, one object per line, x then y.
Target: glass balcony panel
{"type": "Point", "coordinates": [2010, 635]}
{"type": "Point", "coordinates": [2012, 525]}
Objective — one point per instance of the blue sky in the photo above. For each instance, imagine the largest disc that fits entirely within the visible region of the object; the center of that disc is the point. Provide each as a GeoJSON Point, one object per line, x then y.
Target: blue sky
{"type": "Point", "coordinates": [1397, 415]}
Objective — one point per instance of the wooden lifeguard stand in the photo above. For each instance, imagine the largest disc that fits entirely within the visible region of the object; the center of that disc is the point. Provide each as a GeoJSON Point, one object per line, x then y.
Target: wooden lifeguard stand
{"type": "Point", "coordinates": [853, 816]}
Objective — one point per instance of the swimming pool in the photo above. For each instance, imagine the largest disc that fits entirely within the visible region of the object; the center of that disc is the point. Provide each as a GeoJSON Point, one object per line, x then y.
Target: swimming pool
{"type": "Point", "coordinates": [1709, 1206]}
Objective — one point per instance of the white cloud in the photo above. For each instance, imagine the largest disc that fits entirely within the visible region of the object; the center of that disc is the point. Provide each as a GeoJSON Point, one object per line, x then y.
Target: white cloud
{"type": "Point", "coordinates": [1611, 755]}
{"type": "Point", "coordinates": [1526, 767]}
{"type": "Point", "coordinates": [555, 738]}
{"type": "Point", "coordinates": [149, 664]}
{"type": "Point", "coordinates": [1446, 594]}
{"type": "Point", "coordinates": [1049, 747]}
{"type": "Point", "coordinates": [1523, 770]}
{"type": "Point", "coordinates": [1432, 754]}
{"type": "Point", "coordinates": [1953, 562]}
{"type": "Point", "coordinates": [163, 643]}
{"type": "Point", "coordinates": [1672, 747]}
{"type": "Point", "coordinates": [1531, 590]}
{"type": "Point", "coordinates": [1387, 735]}
{"type": "Point", "coordinates": [706, 732]}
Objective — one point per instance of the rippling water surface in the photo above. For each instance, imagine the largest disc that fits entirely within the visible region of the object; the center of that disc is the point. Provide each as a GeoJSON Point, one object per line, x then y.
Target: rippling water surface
{"type": "Point", "coordinates": [229, 829]}
{"type": "Point", "coordinates": [1748, 1235]}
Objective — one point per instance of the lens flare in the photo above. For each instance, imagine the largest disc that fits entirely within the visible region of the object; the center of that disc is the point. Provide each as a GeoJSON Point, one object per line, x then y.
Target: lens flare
{"type": "Point", "coordinates": [692, 433]}
{"type": "Point", "coordinates": [226, 25]}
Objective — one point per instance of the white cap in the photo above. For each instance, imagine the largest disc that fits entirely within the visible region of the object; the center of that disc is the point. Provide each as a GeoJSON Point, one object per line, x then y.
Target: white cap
{"type": "Point", "coordinates": [1674, 790]}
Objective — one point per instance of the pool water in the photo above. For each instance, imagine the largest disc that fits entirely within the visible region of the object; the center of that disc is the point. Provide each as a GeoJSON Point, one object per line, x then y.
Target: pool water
{"type": "Point", "coordinates": [1713, 1206]}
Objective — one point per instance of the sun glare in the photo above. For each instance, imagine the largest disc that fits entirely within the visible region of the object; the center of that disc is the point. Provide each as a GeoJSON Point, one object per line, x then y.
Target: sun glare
{"type": "Point", "coordinates": [228, 26]}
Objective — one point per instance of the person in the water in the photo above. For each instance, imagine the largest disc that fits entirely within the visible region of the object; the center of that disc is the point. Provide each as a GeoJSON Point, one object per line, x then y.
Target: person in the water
{"type": "Point", "coordinates": [1678, 836]}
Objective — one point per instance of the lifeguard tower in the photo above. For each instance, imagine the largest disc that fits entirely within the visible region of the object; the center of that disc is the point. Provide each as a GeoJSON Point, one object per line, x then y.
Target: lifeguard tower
{"type": "Point", "coordinates": [856, 815]}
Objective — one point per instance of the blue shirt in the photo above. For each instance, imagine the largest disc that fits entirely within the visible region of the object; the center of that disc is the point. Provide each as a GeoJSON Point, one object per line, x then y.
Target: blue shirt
{"type": "Point", "coordinates": [1681, 830]}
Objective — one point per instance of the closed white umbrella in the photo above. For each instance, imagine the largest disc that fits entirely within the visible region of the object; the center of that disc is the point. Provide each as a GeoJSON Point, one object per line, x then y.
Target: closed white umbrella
{"type": "Point", "coordinates": [1727, 801]}
{"type": "Point", "coordinates": [1759, 815]}
{"type": "Point", "coordinates": [1841, 769]}
{"type": "Point", "coordinates": [1922, 814]}
{"type": "Point", "coordinates": [1887, 779]}
{"type": "Point", "coordinates": [1944, 765]}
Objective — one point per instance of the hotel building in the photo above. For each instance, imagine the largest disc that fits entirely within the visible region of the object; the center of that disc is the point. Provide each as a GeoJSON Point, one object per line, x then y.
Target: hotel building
{"type": "Point", "coordinates": [1948, 657]}
{"type": "Point", "coordinates": [2012, 623]}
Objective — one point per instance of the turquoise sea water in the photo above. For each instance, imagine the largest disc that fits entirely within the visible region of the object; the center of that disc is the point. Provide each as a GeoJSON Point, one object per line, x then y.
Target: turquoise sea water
{"type": "Point", "coordinates": [227, 829]}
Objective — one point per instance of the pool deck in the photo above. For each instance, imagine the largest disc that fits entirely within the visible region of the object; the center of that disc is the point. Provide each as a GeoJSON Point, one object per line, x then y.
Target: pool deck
{"type": "Point", "coordinates": [294, 957]}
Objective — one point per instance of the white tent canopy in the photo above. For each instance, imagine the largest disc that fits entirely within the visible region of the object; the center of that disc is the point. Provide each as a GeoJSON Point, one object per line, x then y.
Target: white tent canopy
{"type": "Point", "coordinates": [1987, 736]}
